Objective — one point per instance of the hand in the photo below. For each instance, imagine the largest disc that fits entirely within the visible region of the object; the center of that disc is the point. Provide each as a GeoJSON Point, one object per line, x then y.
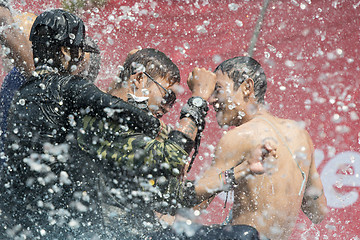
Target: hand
{"type": "Point", "coordinates": [263, 157]}
{"type": "Point", "coordinates": [201, 83]}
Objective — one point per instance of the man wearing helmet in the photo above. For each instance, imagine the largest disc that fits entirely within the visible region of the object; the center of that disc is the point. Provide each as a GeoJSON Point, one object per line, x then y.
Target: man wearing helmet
{"type": "Point", "coordinates": [49, 186]}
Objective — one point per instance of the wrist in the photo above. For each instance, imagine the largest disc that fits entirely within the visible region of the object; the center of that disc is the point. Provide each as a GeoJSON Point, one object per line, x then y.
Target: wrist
{"type": "Point", "coordinates": [202, 95]}
{"type": "Point", "coordinates": [196, 108]}
{"type": "Point", "coordinates": [227, 179]}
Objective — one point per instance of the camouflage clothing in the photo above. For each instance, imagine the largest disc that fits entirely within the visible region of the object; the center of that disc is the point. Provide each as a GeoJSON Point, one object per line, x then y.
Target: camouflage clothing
{"type": "Point", "coordinates": [143, 173]}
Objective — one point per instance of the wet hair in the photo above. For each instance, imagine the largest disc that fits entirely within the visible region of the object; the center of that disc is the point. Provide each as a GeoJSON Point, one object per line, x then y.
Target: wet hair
{"type": "Point", "coordinates": [155, 62]}
{"type": "Point", "coordinates": [241, 68]}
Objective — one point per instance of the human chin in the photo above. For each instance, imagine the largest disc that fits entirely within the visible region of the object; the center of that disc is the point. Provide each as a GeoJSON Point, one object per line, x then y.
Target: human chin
{"type": "Point", "coordinates": [220, 118]}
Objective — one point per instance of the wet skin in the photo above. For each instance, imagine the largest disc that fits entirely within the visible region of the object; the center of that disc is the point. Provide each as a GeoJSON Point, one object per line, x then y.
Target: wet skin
{"type": "Point", "coordinates": [270, 201]}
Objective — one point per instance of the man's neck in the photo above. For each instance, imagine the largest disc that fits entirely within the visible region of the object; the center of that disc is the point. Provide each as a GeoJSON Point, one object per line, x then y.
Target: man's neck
{"type": "Point", "coordinates": [119, 92]}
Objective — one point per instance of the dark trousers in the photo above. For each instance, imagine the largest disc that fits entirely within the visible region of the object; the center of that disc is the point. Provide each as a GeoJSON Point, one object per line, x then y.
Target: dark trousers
{"type": "Point", "coordinates": [228, 232]}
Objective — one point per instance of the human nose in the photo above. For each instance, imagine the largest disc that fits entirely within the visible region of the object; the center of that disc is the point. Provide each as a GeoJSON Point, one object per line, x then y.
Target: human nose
{"type": "Point", "coordinates": [213, 99]}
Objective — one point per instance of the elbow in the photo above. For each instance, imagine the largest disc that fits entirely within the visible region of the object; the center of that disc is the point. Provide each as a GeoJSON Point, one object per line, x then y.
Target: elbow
{"type": "Point", "coordinates": [319, 215]}
{"type": "Point", "coordinates": [5, 16]}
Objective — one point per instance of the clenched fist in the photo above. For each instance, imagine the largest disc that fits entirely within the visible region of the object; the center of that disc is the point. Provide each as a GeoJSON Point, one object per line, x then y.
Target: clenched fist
{"type": "Point", "coordinates": [201, 83]}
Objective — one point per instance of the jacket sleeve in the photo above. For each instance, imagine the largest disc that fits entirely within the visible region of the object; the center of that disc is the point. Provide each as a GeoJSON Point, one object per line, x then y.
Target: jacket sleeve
{"type": "Point", "coordinates": [86, 97]}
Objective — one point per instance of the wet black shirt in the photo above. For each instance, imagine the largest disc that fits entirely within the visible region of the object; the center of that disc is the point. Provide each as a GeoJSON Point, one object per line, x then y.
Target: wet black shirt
{"type": "Point", "coordinates": [48, 184]}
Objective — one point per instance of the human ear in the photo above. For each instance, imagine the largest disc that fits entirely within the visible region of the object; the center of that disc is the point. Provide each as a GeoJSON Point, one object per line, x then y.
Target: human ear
{"type": "Point", "coordinates": [247, 87]}
{"type": "Point", "coordinates": [137, 79]}
{"type": "Point", "coordinates": [65, 53]}
{"type": "Point", "coordinates": [65, 56]}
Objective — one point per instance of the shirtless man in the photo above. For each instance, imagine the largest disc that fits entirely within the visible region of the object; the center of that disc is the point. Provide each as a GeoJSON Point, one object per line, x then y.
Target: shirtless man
{"type": "Point", "coordinates": [267, 195]}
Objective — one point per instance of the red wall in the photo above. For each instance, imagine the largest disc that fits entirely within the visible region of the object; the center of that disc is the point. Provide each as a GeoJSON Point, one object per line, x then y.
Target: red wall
{"type": "Point", "coordinates": [310, 52]}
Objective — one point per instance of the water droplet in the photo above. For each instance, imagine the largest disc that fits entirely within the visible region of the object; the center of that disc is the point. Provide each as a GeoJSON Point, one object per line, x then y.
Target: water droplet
{"type": "Point", "coordinates": [233, 6]}
{"type": "Point", "coordinates": [22, 102]}
{"type": "Point", "coordinates": [239, 23]}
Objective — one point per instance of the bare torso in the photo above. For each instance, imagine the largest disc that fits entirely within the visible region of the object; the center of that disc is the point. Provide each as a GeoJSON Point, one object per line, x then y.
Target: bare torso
{"type": "Point", "coordinates": [271, 202]}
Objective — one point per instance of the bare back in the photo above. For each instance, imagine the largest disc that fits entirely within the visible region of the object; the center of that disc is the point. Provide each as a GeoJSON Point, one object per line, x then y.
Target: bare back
{"type": "Point", "coordinates": [271, 202]}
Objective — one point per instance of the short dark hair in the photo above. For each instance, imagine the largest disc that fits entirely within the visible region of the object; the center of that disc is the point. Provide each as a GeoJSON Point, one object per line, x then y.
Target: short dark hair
{"type": "Point", "coordinates": [155, 62]}
{"type": "Point", "coordinates": [241, 68]}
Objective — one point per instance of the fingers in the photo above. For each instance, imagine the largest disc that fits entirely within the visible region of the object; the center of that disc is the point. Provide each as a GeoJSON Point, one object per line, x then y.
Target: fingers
{"type": "Point", "coordinates": [201, 82]}
{"type": "Point", "coordinates": [269, 147]}
{"type": "Point", "coordinates": [257, 168]}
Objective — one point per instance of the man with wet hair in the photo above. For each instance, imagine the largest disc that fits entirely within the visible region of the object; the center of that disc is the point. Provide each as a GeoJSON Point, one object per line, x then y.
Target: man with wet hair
{"type": "Point", "coordinates": [145, 172]}
{"type": "Point", "coordinates": [267, 195]}
{"type": "Point", "coordinates": [50, 187]}
{"type": "Point", "coordinates": [149, 169]}
{"type": "Point", "coordinates": [51, 184]}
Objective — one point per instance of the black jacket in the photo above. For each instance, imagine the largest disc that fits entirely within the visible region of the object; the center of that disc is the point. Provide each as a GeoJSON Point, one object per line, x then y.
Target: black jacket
{"type": "Point", "coordinates": [48, 184]}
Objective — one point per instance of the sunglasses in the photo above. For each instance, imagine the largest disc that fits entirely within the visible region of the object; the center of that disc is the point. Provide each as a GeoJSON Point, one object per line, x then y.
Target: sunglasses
{"type": "Point", "coordinates": [169, 98]}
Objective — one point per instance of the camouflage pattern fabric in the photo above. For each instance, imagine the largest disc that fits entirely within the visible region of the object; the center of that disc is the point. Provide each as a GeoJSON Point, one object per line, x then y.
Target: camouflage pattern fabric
{"type": "Point", "coordinates": [140, 163]}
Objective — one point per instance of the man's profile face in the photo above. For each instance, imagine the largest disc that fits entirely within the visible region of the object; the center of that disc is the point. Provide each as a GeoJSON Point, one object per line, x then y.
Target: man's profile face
{"type": "Point", "coordinates": [226, 101]}
{"type": "Point", "coordinates": [156, 94]}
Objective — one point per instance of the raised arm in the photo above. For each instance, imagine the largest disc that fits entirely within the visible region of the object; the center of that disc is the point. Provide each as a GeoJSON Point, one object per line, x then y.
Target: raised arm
{"type": "Point", "coordinates": [236, 157]}
{"type": "Point", "coordinates": [137, 146]}
{"type": "Point", "coordinates": [314, 203]}
{"type": "Point", "coordinates": [20, 47]}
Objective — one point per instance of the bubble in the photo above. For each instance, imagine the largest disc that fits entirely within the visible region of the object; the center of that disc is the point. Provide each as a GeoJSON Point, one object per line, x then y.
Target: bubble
{"type": "Point", "coordinates": [336, 118]}
{"type": "Point", "coordinates": [201, 29]}
{"type": "Point", "coordinates": [42, 232]}
{"type": "Point", "coordinates": [339, 51]}
{"type": "Point", "coordinates": [331, 56]}
{"type": "Point", "coordinates": [64, 178]}
{"type": "Point", "coordinates": [233, 7]}
{"type": "Point", "coordinates": [42, 86]}
{"type": "Point", "coordinates": [22, 102]}
{"type": "Point", "coordinates": [354, 116]}
{"type": "Point", "coordinates": [239, 23]}
{"type": "Point", "coordinates": [342, 129]}
{"type": "Point", "coordinates": [110, 40]}
{"type": "Point", "coordinates": [289, 63]}
{"type": "Point", "coordinates": [74, 223]}
{"type": "Point", "coordinates": [217, 59]}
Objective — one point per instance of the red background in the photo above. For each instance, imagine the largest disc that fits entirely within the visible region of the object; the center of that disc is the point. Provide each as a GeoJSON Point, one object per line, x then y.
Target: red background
{"type": "Point", "coordinates": [309, 50]}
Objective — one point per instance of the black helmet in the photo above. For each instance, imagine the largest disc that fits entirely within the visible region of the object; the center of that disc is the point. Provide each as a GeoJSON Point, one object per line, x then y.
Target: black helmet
{"type": "Point", "coordinates": [58, 27]}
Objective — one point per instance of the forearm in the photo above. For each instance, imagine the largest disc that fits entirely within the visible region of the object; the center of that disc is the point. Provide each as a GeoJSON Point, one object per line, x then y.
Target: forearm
{"type": "Point", "coordinates": [85, 95]}
{"type": "Point", "coordinates": [188, 127]}
{"type": "Point", "coordinates": [214, 181]}
{"type": "Point", "coordinates": [315, 207]}
{"type": "Point", "coordinates": [20, 47]}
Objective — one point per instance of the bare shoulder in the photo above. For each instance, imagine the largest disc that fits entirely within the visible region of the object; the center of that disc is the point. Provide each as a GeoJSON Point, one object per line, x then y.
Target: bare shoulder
{"type": "Point", "coordinates": [239, 135]}
{"type": "Point", "coordinates": [298, 128]}
{"type": "Point", "coordinates": [234, 145]}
